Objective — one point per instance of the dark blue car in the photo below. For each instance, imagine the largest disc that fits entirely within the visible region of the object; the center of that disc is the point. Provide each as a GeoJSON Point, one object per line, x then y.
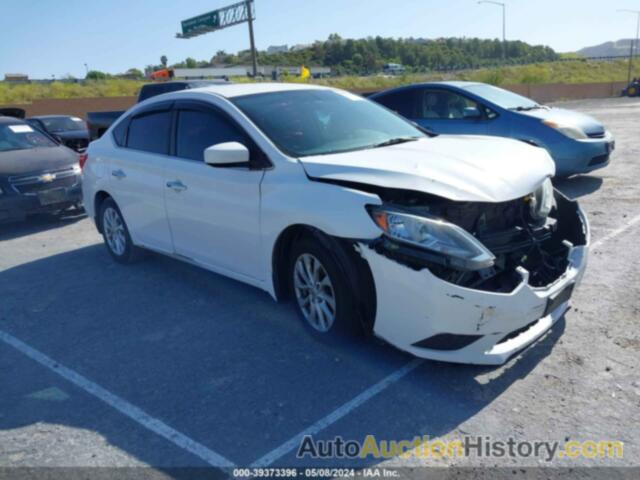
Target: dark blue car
{"type": "Point", "coordinates": [577, 142]}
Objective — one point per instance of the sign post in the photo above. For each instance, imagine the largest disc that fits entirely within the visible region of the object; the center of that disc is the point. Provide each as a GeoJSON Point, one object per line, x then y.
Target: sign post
{"type": "Point", "coordinates": [222, 18]}
{"type": "Point", "coordinates": [254, 57]}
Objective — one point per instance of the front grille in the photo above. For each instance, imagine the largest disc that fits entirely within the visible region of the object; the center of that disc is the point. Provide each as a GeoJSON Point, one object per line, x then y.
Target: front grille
{"type": "Point", "coordinates": [26, 184]}
{"type": "Point", "coordinates": [596, 135]}
{"type": "Point", "coordinates": [77, 143]}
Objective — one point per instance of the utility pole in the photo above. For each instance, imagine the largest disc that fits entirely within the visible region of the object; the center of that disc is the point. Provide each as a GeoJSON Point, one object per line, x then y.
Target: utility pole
{"type": "Point", "coordinates": [254, 56]}
{"type": "Point", "coordinates": [633, 42]}
{"type": "Point", "coordinates": [504, 25]}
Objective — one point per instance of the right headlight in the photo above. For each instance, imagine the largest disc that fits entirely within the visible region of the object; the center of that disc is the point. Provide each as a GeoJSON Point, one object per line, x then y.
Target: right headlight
{"type": "Point", "coordinates": [461, 248]}
{"type": "Point", "coordinates": [567, 130]}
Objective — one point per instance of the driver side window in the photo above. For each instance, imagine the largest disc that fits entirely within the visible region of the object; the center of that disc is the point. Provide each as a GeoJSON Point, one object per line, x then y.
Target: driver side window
{"type": "Point", "coordinates": [199, 129]}
{"type": "Point", "coordinates": [444, 105]}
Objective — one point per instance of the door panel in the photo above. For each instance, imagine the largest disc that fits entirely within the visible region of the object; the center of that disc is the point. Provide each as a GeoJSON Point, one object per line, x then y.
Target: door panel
{"type": "Point", "coordinates": [137, 179]}
{"type": "Point", "coordinates": [214, 215]}
{"type": "Point", "coordinates": [214, 212]}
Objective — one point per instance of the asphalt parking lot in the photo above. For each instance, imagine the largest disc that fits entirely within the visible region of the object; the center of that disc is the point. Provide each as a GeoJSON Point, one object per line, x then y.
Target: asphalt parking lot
{"type": "Point", "coordinates": [167, 365]}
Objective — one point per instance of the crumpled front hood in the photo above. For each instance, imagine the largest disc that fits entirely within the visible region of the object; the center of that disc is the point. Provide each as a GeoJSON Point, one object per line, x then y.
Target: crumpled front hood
{"type": "Point", "coordinates": [460, 168]}
{"type": "Point", "coordinates": [589, 125]}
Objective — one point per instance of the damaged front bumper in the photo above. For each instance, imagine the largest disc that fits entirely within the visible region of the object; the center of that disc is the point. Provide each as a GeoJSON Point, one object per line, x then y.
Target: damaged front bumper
{"type": "Point", "coordinates": [431, 318]}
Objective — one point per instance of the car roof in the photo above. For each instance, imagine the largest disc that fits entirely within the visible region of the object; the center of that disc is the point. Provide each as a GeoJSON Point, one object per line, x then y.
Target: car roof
{"type": "Point", "coordinates": [449, 83]}
{"type": "Point", "coordinates": [232, 90]}
{"type": "Point", "coordinates": [37, 117]}
{"type": "Point", "coordinates": [456, 83]}
{"type": "Point", "coordinates": [11, 120]}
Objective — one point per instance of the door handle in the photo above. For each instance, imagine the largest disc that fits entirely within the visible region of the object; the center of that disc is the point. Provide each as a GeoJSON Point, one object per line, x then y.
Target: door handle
{"type": "Point", "coordinates": [119, 174]}
{"type": "Point", "coordinates": [177, 186]}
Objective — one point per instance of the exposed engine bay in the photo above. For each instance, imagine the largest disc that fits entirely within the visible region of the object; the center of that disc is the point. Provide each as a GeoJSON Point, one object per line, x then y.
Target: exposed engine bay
{"type": "Point", "coordinates": [516, 238]}
{"type": "Point", "coordinates": [507, 229]}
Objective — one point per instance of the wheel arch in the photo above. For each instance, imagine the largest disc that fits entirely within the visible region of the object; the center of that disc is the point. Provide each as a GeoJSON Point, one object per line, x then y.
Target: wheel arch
{"type": "Point", "coordinates": [355, 269]}
{"type": "Point", "coordinates": [98, 200]}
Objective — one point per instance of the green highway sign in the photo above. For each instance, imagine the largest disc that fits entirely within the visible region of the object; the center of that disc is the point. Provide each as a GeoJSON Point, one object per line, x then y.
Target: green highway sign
{"type": "Point", "coordinates": [240, 12]}
{"type": "Point", "coordinates": [205, 21]}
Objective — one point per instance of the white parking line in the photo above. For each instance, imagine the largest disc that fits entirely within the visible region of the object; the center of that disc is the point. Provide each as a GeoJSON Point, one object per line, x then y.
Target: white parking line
{"type": "Point", "coordinates": [136, 414]}
{"type": "Point", "coordinates": [372, 391]}
{"type": "Point", "coordinates": [616, 232]}
{"type": "Point", "coordinates": [337, 414]}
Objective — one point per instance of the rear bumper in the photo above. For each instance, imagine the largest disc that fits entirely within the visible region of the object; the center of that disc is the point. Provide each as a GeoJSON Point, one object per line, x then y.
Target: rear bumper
{"type": "Point", "coordinates": [18, 207]}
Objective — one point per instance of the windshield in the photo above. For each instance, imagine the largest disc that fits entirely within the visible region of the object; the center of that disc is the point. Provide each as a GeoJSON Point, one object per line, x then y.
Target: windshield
{"type": "Point", "coordinates": [319, 122]}
{"type": "Point", "coordinates": [63, 124]}
{"type": "Point", "coordinates": [502, 98]}
{"type": "Point", "coordinates": [22, 137]}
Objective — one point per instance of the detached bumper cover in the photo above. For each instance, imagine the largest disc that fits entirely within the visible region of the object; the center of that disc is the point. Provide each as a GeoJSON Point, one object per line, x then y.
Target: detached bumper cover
{"type": "Point", "coordinates": [416, 305]}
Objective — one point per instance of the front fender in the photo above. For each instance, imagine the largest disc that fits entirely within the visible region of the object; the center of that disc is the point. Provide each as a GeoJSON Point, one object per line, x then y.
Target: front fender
{"type": "Point", "coordinates": [334, 210]}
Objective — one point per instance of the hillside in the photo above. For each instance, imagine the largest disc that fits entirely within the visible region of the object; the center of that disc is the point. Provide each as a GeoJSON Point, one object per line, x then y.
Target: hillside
{"type": "Point", "coordinates": [546, 72]}
{"type": "Point", "coordinates": [368, 55]}
{"type": "Point", "coordinates": [619, 48]}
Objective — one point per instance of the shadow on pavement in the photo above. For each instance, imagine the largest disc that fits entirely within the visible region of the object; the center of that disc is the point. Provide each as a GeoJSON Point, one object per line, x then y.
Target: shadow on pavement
{"type": "Point", "coordinates": [39, 223]}
{"type": "Point", "coordinates": [578, 186]}
{"type": "Point", "coordinates": [215, 359]}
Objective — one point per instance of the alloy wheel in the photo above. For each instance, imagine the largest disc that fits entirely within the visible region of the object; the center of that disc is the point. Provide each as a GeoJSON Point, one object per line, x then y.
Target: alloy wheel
{"type": "Point", "coordinates": [314, 292]}
{"type": "Point", "coordinates": [114, 231]}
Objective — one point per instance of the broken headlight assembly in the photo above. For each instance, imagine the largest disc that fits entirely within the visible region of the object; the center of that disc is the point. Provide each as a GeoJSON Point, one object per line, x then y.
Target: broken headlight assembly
{"type": "Point", "coordinates": [542, 201]}
{"type": "Point", "coordinates": [459, 247]}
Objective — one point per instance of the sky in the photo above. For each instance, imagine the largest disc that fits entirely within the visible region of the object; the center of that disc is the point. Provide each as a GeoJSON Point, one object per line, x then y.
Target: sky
{"type": "Point", "coordinates": [57, 37]}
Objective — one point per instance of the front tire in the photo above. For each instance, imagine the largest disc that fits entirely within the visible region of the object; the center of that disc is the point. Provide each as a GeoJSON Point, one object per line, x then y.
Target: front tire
{"type": "Point", "coordinates": [116, 234]}
{"type": "Point", "coordinates": [320, 291]}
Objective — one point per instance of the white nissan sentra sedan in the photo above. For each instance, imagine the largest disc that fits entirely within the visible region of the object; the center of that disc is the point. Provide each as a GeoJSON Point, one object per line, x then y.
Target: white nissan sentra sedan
{"type": "Point", "coordinates": [455, 248]}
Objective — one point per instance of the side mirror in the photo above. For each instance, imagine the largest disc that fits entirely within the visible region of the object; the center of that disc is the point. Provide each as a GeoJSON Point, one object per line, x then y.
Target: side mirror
{"type": "Point", "coordinates": [226, 154]}
{"type": "Point", "coordinates": [471, 113]}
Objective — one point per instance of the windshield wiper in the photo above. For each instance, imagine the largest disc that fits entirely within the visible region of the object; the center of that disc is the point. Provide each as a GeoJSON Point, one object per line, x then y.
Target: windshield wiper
{"type": "Point", "coordinates": [395, 141]}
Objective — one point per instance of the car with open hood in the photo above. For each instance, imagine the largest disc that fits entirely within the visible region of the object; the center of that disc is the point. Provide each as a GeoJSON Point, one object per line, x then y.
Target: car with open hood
{"type": "Point", "coordinates": [576, 142]}
{"type": "Point", "coordinates": [37, 174]}
{"type": "Point", "coordinates": [454, 248]}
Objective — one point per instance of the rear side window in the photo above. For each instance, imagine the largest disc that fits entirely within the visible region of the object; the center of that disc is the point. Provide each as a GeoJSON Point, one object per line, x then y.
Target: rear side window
{"type": "Point", "coordinates": [120, 132]}
{"type": "Point", "coordinates": [150, 132]}
{"type": "Point", "coordinates": [199, 129]}
{"type": "Point", "coordinates": [402, 102]}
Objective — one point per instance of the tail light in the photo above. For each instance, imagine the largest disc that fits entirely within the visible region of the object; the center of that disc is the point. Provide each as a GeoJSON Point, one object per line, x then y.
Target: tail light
{"type": "Point", "coordinates": [82, 159]}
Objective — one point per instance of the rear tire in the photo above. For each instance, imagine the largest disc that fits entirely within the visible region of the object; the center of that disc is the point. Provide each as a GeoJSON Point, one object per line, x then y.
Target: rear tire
{"type": "Point", "coordinates": [321, 293]}
{"type": "Point", "coordinates": [116, 234]}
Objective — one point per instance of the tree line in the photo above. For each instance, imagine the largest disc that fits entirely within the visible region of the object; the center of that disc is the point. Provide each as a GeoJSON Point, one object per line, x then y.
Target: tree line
{"type": "Point", "coordinates": [369, 55]}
